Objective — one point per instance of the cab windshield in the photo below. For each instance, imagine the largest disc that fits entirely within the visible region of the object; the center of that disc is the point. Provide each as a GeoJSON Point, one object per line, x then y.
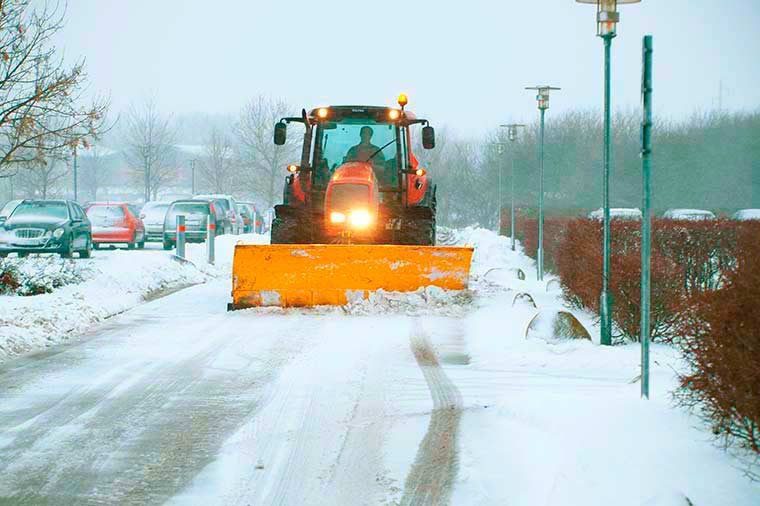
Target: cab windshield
{"type": "Point", "coordinates": [359, 139]}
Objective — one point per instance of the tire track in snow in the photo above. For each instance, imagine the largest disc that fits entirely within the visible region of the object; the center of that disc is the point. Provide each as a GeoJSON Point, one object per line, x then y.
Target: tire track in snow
{"type": "Point", "coordinates": [431, 477]}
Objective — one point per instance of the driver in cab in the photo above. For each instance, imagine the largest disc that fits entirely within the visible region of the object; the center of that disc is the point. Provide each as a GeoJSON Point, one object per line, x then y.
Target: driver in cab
{"type": "Point", "coordinates": [365, 150]}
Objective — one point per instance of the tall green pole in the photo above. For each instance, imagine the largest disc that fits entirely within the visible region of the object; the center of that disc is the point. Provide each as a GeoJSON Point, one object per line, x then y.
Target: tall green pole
{"type": "Point", "coordinates": [646, 204]}
{"type": "Point", "coordinates": [541, 202]}
{"type": "Point", "coordinates": [605, 303]}
{"type": "Point", "coordinates": [512, 213]}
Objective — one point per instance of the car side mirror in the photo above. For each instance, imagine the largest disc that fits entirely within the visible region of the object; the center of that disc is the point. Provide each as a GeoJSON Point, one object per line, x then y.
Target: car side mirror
{"type": "Point", "coordinates": [280, 133]}
{"type": "Point", "coordinates": [428, 137]}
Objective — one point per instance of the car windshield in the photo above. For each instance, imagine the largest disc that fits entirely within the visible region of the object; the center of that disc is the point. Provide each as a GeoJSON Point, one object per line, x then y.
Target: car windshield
{"type": "Point", "coordinates": [40, 211]}
{"type": "Point", "coordinates": [189, 208]}
{"type": "Point", "coordinates": [357, 140]}
{"type": "Point", "coordinates": [155, 210]}
{"type": "Point", "coordinates": [9, 207]}
{"type": "Point", "coordinates": [104, 216]}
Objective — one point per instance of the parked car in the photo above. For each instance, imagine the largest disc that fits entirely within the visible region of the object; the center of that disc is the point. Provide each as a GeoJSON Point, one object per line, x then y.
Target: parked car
{"type": "Point", "coordinates": [116, 222]}
{"type": "Point", "coordinates": [619, 213]}
{"type": "Point", "coordinates": [46, 226]}
{"type": "Point", "coordinates": [248, 213]}
{"type": "Point", "coordinates": [8, 208]}
{"type": "Point", "coordinates": [233, 220]}
{"type": "Point", "coordinates": [153, 214]}
{"type": "Point", "coordinates": [688, 214]}
{"type": "Point", "coordinates": [746, 215]}
{"type": "Point", "coordinates": [257, 221]}
{"type": "Point", "coordinates": [197, 214]}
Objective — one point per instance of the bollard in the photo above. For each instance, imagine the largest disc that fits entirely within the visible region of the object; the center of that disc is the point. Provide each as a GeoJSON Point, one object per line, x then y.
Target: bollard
{"type": "Point", "coordinates": [210, 240]}
{"type": "Point", "coordinates": [180, 236]}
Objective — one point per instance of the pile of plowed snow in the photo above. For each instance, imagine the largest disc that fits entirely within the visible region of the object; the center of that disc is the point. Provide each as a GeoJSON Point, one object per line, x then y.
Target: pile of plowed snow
{"type": "Point", "coordinates": [111, 282]}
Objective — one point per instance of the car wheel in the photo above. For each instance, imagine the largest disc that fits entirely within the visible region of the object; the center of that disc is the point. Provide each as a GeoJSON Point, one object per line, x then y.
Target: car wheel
{"type": "Point", "coordinates": [141, 245]}
{"type": "Point", "coordinates": [68, 251]}
{"type": "Point", "coordinates": [167, 245]}
{"type": "Point", "coordinates": [130, 245]}
{"type": "Point", "coordinates": [95, 245]}
{"type": "Point", "coordinates": [87, 251]}
{"type": "Point", "coordinates": [22, 255]}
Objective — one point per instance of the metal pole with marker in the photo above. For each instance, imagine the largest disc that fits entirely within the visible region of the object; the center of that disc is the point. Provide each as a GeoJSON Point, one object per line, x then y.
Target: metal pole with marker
{"type": "Point", "coordinates": [181, 236]}
{"type": "Point", "coordinates": [210, 239]}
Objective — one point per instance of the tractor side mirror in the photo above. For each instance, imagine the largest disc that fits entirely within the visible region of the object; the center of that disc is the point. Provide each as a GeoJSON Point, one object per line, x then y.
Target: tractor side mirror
{"type": "Point", "coordinates": [428, 137]}
{"type": "Point", "coordinates": [280, 133]}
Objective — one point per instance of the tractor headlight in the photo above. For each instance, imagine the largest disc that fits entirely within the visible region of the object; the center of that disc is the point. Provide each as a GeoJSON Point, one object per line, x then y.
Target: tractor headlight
{"type": "Point", "coordinates": [58, 233]}
{"type": "Point", "coordinates": [336, 217]}
{"type": "Point", "coordinates": [360, 218]}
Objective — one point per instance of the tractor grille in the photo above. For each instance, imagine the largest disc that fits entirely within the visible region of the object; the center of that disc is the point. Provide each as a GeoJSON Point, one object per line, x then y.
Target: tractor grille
{"type": "Point", "coordinates": [29, 233]}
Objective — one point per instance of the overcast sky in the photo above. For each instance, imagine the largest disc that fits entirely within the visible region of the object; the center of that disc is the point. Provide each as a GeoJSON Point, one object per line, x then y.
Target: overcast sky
{"type": "Point", "coordinates": [463, 64]}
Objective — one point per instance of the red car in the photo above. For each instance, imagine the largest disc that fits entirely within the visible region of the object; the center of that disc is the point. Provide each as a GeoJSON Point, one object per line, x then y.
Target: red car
{"type": "Point", "coordinates": [116, 222]}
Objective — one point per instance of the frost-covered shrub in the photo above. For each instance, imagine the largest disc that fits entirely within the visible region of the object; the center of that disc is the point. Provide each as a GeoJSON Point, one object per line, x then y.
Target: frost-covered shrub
{"type": "Point", "coordinates": [720, 339]}
{"type": "Point", "coordinates": [37, 274]}
{"type": "Point", "coordinates": [9, 282]}
{"type": "Point", "coordinates": [688, 258]}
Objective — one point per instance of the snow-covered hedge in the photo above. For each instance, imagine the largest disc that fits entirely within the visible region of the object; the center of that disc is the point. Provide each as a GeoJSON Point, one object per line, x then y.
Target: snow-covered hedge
{"type": "Point", "coordinates": [38, 275]}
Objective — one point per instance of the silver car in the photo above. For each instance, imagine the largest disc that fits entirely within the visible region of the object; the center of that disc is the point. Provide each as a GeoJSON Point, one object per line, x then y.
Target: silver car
{"type": "Point", "coordinates": [197, 214]}
{"type": "Point", "coordinates": [230, 204]}
{"type": "Point", "coordinates": [153, 214]}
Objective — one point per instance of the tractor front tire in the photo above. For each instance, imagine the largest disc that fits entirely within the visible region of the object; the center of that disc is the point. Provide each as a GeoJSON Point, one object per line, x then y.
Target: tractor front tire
{"type": "Point", "coordinates": [287, 230]}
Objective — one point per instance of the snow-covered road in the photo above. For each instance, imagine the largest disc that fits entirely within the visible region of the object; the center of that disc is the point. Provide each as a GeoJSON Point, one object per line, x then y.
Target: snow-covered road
{"type": "Point", "coordinates": [396, 402]}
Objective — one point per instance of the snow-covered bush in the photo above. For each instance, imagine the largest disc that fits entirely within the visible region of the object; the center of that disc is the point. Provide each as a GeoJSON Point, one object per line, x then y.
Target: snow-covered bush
{"type": "Point", "coordinates": [39, 274]}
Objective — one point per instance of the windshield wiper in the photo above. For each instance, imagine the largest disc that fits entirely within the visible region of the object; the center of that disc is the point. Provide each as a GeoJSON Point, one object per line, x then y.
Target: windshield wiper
{"type": "Point", "coordinates": [380, 149]}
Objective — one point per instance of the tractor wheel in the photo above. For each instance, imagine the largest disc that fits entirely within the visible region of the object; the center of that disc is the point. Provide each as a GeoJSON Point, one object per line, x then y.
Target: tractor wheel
{"type": "Point", "coordinates": [290, 226]}
{"type": "Point", "coordinates": [418, 232]}
{"type": "Point", "coordinates": [287, 230]}
{"type": "Point", "coordinates": [418, 227]}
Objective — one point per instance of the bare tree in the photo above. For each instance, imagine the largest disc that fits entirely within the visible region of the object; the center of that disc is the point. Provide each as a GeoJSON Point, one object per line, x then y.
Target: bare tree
{"type": "Point", "coordinates": [40, 99]}
{"type": "Point", "coordinates": [43, 180]}
{"type": "Point", "coordinates": [265, 162]}
{"type": "Point", "coordinates": [219, 166]}
{"type": "Point", "coordinates": [150, 148]}
{"type": "Point", "coordinates": [93, 171]}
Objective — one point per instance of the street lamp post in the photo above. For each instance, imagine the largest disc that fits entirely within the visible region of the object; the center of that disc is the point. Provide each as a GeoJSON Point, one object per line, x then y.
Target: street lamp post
{"type": "Point", "coordinates": [607, 18]}
{"type": "Point", "coordinates": [543, 104]}
{"type": "Point", "coordinates": [192, 175]}
{"type": "Point", "coordinates": [512, 136]}
{"type": "Point", "coordinates": [74, 153]}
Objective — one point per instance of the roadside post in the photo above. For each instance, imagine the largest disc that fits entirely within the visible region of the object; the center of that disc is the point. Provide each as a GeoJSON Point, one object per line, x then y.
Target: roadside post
{"type": "Point", "coordinates": [646, 208]}
{"type": "Point", "coordinates": [180, 236]}
{"type": "Point", "coordinates": [210, 237]}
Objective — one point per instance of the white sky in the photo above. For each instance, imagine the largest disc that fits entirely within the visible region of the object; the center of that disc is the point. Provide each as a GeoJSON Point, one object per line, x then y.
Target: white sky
{"type": "Point", "coordinates": [463, 64]}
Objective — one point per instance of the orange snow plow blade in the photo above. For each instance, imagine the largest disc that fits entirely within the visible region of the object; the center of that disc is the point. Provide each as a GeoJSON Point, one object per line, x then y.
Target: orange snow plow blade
{"type": "Point", "coordinates": [289, 275]}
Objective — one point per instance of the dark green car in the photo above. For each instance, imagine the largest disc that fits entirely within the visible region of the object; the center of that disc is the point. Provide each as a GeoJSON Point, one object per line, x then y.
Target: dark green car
{"type": "Point", "coordinates": [46, 226]}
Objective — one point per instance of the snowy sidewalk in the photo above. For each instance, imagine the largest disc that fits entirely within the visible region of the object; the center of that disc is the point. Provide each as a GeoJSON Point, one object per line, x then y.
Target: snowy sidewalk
{"type": "Point", "coordinates": [115, 281]}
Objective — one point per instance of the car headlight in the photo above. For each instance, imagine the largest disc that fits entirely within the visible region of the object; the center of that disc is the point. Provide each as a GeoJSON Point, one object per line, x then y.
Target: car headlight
{"type": "Point", "coordinates": [58, 233]}
{"type": "Point", "coordinates": [336, 217]}
{"type": "Point", "coordinates": [360, 218]}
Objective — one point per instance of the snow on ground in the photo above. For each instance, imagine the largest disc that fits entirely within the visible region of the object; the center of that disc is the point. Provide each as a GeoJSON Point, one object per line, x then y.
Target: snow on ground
{"type": "Point", "coordinates": [371, 403]}
{"type": "Point", "coordinates": [113, 282]}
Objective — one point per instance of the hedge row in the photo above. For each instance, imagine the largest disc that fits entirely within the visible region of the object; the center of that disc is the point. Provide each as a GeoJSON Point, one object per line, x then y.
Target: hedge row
{"type": "Point", "coordinates": [705, 299]}
{"type": "Point", "coordinates": [721, 342]}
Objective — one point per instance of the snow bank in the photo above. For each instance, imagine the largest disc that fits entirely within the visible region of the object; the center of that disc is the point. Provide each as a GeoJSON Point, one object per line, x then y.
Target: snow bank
{"type": "Point", "coordinates": [111, 282]}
